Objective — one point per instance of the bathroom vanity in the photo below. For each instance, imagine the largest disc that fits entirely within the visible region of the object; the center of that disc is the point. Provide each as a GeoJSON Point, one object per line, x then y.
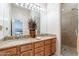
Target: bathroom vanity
{"type": "Point", "coordinates": [39, 46]}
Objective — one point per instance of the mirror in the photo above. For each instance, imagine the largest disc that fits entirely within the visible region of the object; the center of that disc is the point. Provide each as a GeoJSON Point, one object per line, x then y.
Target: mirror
{"type": "Point", "coordinates": [17, 19]}
{"type": "Point", "coordinates": [17, 27]}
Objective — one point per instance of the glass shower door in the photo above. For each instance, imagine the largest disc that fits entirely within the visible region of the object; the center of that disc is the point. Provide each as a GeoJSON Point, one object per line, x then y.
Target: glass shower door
{"type": "Point", "coordinates": [69, 30]}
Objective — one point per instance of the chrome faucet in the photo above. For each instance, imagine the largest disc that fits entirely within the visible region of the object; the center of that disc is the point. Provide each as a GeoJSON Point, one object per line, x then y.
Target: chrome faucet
{"type": "Point", "coordinates": [19, 35]}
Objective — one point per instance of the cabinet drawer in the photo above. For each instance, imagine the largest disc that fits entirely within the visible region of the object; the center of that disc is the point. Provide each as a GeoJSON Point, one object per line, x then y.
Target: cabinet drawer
{"type": "Point", "coordinates": [47, 50]}
{"type": "Point", "coordinates": [37, 50]}
{"type": "Point", "coordinates": [9, 51]}
{"type": "Point", "coordinates": [53, 40]}
{"type": "Point", "coordinates": [26, 47]}
{"type": "Point", "coordinates": [27, 53]}
{"type": "Point", "coordinates": [39, 44]}
{"type": "Point", "coordinates": [40, 53]}
{"type": "Point", "coordinates": [47, 42]}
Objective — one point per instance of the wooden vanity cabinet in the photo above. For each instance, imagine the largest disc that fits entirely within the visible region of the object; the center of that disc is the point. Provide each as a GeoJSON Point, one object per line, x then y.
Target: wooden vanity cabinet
{"type": "Point", "coordinates": [40, 48]}
{"type": "Point", "coordinates": [9, 52]}
{"type": "Point", "coordinates": [27, 50]}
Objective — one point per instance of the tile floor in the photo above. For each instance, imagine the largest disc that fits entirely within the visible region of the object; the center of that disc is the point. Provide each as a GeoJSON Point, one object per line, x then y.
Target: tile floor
{"type": "Point", "coordinates": [68, 51]}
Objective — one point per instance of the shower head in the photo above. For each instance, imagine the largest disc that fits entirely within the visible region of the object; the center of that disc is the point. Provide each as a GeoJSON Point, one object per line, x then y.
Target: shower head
{"type": "Point", "coordinates": [74, 9]}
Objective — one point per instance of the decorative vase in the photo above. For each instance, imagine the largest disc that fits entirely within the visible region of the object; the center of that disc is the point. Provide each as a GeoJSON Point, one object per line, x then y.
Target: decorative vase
{"type": "Point", "coordinates": [32, 33]}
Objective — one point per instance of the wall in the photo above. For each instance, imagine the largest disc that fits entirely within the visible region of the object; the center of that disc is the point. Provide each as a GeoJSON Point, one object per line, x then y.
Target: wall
{"type": "Point", "coordinates": [43, 22]}
{"type": "Point", "coordinates": [50, 23]}
{"type": "Point", "coordinates": [1, 20]}
{"type": "Point", "coordinates": [53, 23]}
{"type": "Point", "coordinates": [5, 18]}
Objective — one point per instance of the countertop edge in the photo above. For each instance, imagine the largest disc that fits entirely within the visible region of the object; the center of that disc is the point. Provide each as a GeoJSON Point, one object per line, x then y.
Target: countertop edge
{"type": "Point", "coordinates": [2, 48]}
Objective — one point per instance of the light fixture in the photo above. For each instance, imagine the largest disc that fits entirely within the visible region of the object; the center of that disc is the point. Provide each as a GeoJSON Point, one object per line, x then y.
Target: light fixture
{"type": "Point", "coordinates": [31, 6]}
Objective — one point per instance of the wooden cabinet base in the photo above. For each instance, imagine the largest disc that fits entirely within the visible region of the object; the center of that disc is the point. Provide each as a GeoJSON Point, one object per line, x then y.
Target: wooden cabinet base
{"type": "Point", "coordinates": [41, 48]}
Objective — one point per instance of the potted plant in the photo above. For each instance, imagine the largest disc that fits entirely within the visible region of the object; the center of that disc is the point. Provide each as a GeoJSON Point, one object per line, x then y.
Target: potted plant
{"type": "Point", "coordinates": [32, 27]}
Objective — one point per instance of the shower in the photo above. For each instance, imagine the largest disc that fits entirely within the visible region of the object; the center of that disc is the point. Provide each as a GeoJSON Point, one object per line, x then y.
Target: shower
{"type": "Point", "coordinates": [69, 28]}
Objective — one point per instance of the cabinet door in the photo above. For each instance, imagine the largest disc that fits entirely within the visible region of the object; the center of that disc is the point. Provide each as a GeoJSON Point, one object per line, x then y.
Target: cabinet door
{"type": "Point", "coordinates": [47, 50]}
{"type": "Point", "coordinates": [8, 52]}
{"type": "Point", "coordinates": [27, 53]}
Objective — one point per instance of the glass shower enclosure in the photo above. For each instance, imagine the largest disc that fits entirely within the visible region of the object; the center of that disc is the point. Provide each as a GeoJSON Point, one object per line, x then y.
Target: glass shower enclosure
{"type": "Point", "coordinates": [69, 28]}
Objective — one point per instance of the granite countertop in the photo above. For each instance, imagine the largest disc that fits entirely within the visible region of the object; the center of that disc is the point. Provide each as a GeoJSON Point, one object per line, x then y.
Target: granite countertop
{"type": "Point", "coordinates": [10, 43]}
